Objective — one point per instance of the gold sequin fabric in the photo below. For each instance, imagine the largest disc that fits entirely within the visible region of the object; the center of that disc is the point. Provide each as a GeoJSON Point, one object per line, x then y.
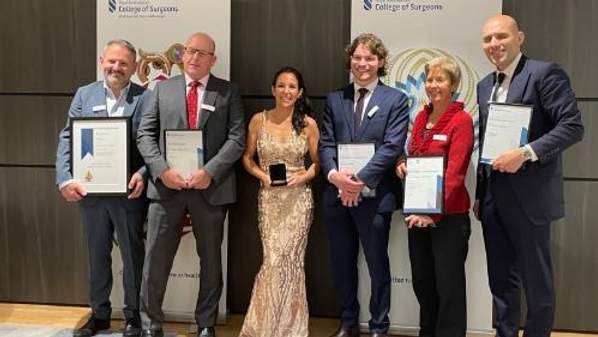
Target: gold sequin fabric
{"type": "Point", "coordinates": [278, 306]}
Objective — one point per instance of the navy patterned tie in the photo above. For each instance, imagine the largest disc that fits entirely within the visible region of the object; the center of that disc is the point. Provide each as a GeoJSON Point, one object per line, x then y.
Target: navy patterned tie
{"type": "Point", "coordinates": [359, 108]}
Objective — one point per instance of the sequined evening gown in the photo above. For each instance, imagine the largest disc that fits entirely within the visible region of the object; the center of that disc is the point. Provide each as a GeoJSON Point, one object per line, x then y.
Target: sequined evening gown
{"type": "Point", "coordinates": [278, 306]}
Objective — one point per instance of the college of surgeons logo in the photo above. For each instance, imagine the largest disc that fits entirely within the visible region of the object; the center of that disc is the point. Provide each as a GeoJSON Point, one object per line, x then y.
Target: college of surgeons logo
{"type": "Point", "coordinates": [406, 73]}
{"type": "Point", "coordinates": [142, 8]}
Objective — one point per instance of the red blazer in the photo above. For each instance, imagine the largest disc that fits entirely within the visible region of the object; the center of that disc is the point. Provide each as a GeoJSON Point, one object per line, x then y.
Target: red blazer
{"type": "Point", "coordinates": [452, 135]}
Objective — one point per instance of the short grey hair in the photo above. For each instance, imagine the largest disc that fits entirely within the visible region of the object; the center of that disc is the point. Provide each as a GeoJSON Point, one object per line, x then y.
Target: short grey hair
{"type": "Point", "coordinates": [125, 44]}
{"type": "Point", "coordinates": [446, 64]}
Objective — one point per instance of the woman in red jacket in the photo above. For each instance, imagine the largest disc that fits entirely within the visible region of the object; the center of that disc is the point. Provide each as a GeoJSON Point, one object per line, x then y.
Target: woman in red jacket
{"type": "Point", "coordinates": [438, 244]}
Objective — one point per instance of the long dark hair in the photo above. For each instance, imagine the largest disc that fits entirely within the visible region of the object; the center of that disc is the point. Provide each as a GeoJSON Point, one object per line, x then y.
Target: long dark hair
{"type": "Point", "coordinates": [302, 106]}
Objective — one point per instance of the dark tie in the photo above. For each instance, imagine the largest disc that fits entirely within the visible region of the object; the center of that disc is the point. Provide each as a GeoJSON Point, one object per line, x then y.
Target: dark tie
{"type": "Point", "coordinates": [359, 107]}
{"type": "Point", "coordinates": [498, 79]}
{"type": "Point", "coordinates": [192, 111]}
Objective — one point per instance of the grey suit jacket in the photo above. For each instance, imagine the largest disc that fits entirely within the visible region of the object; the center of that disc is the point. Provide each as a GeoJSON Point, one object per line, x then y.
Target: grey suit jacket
{"type": "Point", "coordinates": [223, 135]}
{"type": "Point", "coordinates": [86, 98]}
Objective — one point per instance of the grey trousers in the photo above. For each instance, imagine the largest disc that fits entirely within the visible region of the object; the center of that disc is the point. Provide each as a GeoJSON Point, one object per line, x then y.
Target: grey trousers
{"type": "Point", "coordinates": [163, 238]}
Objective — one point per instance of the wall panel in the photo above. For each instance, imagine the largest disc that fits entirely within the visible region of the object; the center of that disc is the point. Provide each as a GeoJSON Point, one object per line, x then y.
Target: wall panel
{"type": "Point", "coordinates": [309, 34]}
{"type": "Point", "coordinates": [29, 127]}
{"type": "Point", "coordinates": [562, 32]}
{"type": "Point", "coordinates": [581, 159]}
{"type": "Point", "coordinates": [47, 46]}
{"type": "Point", "coordinates": [42, 250]}
{"type": "Point", "coordinates": [574, 258]}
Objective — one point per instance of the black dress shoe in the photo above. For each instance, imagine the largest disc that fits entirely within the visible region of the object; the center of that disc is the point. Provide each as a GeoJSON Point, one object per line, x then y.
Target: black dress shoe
{"type": "Point", "coordinates": [132, 328]}
{"type": "Point", "coordinates": [346, 332]}
{"type": "Point", "coordinates": [91, 327]}
{"type": "Point", "coordinates": [206, 332]}
{"type": "Point", "coordinates": [152, 333]}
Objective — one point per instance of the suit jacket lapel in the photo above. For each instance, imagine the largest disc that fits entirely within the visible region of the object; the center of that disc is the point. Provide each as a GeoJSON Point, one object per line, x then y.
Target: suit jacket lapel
{"type": "Point", "coordinates": [97, 100]}
{"type": "Point", "coordinates": [209, 99]}
{"type": "Point", "coordinates": [131, 101]}
{"type": "Point", "coordinates": [376, 98]}
{"type": "Point", "coordinates": [179, 101]}
{"type": "Point", "coordinates": [348, 102]}
{"type": "Point", "coordinates": [519, 82]}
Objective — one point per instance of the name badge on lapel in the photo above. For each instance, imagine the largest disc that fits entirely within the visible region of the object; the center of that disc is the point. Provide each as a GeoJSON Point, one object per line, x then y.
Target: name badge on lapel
{"type": "Point", "coordinates": [208, 107]}
{"type": "Point", "coordinates": [373, 111]}
{"type": "Point", "coordinates": [441, 138]}
{"type": "Point", "coordinates": [98, 108]}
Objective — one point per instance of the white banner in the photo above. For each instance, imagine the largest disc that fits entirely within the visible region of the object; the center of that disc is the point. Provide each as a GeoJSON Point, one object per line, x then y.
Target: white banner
{"type": "Point", "coordinates": [158, 29]}
{"type": "Point", "coordinates": [415, 31]}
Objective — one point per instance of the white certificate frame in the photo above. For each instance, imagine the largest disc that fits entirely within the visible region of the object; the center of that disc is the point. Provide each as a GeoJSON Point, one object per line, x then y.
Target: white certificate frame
{"type": "Point", "coordinates": [183, 150]}
{"type": "Point", "coordinates": [424, 185]}
{"type": "Point", "coordinates": [507, 128]}
{"type": "Point", "coordinates": [353, 157]}
{"type": "Point", "coordinates": [99, 156]}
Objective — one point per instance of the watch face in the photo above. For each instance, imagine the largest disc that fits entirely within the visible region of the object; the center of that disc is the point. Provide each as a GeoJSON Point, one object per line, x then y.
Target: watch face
{"type": "Point", "coordinates": [527, 154]}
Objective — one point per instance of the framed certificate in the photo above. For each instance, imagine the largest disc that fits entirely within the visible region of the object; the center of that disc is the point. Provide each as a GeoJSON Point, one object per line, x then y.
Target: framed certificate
{"type": "Point", "coordinates": [100, 154]}
{"type": "Point", "coordinates": [353, 157]}
{"type": "Point", "coordinates": [183, 150]}
{"type": "Point", "coordinates": [507, 128]}
{"type": "Point", "coordinates": [424, 185]}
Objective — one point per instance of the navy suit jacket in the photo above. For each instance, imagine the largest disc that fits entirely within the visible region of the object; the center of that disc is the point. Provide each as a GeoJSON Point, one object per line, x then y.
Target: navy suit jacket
{"type": "Point", "coordinates": [555, 125]}
{"type": "Point", "coordinates": [386, 127]}
{"type": "Point", "coordinates": [86, 98]}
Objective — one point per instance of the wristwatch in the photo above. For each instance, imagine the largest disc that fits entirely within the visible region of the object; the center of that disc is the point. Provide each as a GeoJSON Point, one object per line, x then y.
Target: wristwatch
{"type": "Point", "coordinates": [527, 153]}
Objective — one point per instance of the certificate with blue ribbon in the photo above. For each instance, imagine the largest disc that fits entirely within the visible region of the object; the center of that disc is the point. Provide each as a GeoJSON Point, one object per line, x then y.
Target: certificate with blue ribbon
{"type": "Point", "coordinates": [100, 154]}
{"type": "Point", "coordinates": [424, 185]}
{"type": "Point", "coordinates": [507, 128]}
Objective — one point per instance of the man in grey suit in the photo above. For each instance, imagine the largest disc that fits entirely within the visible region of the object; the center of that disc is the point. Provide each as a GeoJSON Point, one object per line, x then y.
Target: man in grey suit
{"type": "Point", "coordinates": [116, 96]}
{"type": "Point", "coordinates": [194, 100]}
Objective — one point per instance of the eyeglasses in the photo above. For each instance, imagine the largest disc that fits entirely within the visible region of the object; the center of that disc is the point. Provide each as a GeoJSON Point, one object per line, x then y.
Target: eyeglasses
{"type": "Point", "coordinates": [200, 53]}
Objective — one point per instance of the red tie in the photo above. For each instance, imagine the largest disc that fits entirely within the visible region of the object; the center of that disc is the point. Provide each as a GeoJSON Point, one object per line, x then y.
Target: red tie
{"type": "Point", "coordinates": [192, 111]}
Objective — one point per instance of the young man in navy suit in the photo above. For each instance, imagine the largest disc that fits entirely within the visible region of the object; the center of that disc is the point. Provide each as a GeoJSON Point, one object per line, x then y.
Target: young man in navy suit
{"type": "Point", "coordinates": [521, 192]}
{"type": "Point", "coordinates": [115, 96]}
{"type": "Point", "coordinates": [365, 111]}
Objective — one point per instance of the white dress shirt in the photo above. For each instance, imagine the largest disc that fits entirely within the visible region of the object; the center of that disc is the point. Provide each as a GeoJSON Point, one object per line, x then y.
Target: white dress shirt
{"type": "Point", "coordinates": [115, 106]}
{"type": "Point", "coordinates": [503, 91]}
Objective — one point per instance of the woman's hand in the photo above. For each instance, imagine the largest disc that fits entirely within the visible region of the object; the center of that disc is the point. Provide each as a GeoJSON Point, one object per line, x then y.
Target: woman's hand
{"type": "Point", "coordinates": [298, 178]}
{"type": "Point", "coordinates": [421, 221]}
{"type": "Point", "coordinates": [401, 169]}
{"type": "Point", "coordinates": [265, 181]}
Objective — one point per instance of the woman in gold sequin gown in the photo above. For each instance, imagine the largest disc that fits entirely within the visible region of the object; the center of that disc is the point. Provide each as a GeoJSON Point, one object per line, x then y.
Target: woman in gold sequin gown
{"type": "Point", "coordinates": [285, 134]}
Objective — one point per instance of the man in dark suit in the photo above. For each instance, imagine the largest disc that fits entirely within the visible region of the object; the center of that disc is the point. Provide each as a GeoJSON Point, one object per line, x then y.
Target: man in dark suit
{"type": "Point", "coordinates": [522, 191]}
{"type": "Point", "coordinates": [365, 111]}
{"type": "Point", "coordinates": [194, 100]}
{"type": "Point", "coordinates": [116, 96]}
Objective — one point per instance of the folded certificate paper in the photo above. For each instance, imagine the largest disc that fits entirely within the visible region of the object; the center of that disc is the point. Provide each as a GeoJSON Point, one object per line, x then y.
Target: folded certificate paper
{"type": "Point", "coordinates": [507, 128]}
{"type": "Point", "coordinates": [424, 185]}
{"type": "Point", "coordinates": [353, 157]}
{"type": "Point", "coordinates": [184, 150]}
